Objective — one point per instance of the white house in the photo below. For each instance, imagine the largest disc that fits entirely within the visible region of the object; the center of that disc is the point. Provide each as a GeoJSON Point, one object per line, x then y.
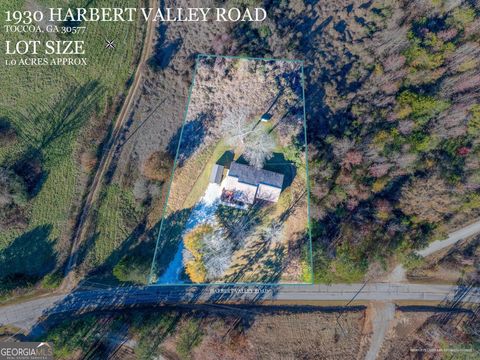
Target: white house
{"type": "Point", "coordinates": [245, 184]}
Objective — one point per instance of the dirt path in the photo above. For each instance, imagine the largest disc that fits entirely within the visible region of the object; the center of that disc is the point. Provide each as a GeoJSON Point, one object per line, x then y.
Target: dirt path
{"type": "Point", "coordinates": [453, 238]}
{"type": "Point", "coordinates": [383, 314]}
{"type": "Point", "coordinates": [399, 273]}
{"type": "Point", "coordinates": [108, 155]}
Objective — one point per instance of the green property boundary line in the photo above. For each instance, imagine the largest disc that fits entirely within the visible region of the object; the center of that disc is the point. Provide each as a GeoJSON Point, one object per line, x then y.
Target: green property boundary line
{"type": "Point", "coordinates": [309, 226]}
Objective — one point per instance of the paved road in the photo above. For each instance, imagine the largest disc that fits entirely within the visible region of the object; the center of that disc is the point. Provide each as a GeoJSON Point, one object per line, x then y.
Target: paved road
{"type": "Point", "coordinates": [454, 237]}
{"type": "Point", "coordinates": [26, 314]}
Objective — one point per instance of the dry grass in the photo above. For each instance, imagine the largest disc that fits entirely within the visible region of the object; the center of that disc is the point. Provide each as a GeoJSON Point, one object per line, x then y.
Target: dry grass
{"type": "Point", "coordinates": [450, 265]}
{"type": "Point", "coordinates": [191, 180]}
{"type": "Point", "coordinates": [440, 335]}
{"type": "Point", "coordinates": [283, 335]}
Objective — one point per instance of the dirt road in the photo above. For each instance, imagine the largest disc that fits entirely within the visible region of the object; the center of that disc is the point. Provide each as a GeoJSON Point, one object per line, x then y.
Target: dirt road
{"type": "Point", "coordinates": [383, 314]}
{"type": "Point", "coordinates": [453, 238]}
{"type": "Point", "coordinates": [399, 274]}
{"type": "Point", "coordinates": [106, 158]}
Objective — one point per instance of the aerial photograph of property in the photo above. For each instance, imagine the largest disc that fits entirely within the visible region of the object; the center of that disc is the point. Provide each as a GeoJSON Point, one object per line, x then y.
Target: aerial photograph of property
{"type": "Point", "coordinates": [237, 209]}
{"type": "Point", "coordinates": [240, 179]}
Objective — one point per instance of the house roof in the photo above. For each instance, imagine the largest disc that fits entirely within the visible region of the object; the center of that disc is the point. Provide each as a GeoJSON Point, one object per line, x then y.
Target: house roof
{"type": "Point", "coordinates": [250, 175]}
{"type": "Point", "coordinates": [242, 192]}
{"type": "Point", "coordinates": [268, 193]}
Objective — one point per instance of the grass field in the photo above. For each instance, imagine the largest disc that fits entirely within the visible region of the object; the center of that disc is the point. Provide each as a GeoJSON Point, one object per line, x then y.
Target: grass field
{"type": "Point", "coordinates": [49, 108]}
{"type": "Point", "coordinates": [116, 218]}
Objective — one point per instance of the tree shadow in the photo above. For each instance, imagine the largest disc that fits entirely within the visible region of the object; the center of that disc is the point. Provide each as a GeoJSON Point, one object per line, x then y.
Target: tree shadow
{"type": "Point", "coordinates": [264, 263]}
{"type": "Point", "coordinates": [267, 114]}
{"type": "Point", "coordinates": [239, 223]}
{"type": "Point", "coordinates": [272, 267]}
{"type": "Point", "coordinates": [167, 241]}
{"type": "Point", "coordinates": [66, 116]}
{"type": "Point", "coordinates": [187, 139]}
{"type": "Point", "coordinates": [164, 50]}
{"type": "Point", "coordinates": [31, 254]}
{"type": "Point", "coordinates": [8, 134]}
{"type": "Point", "coordinates": [252, 255]}
{"type": "Point", "coordinates": [30, 168]}
{"type": "Point", "coordinates": [52, 126]}
{"type": "Point", "coordinates": [131, 248]}
{"type": "Point", "coordinates": [70, 22]}
{"type": "Point", "coordinates": [294, 112]}
{"type": "Point", "coordinates": [136, 252]}
{"type": "Point", "coordinates": [250, 41]}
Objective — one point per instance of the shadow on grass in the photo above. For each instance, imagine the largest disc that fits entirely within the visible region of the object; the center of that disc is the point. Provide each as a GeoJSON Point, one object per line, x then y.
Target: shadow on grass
{"type": "Point", "coordinates": [131, 262]}
{"type": "Point", "coordinates": [272, 267]}
{"type": "Point", "coordinates": [48, 132]}
{"type": "Point", "coordinates": [67, 115]}
{"type": "Point", "coordinates": [30, 168]}
{"type": "Point", "coordinates": [164, 50]}
{"type": "Point", "coordinates": [130, 255]}
{"type": "Point", "coordinates": [168, 240]}
{"type": "Point", "coordinates": [252, 256]}
{"type": "Point", "coordinates": [28, 257]}
{"type": "Point", "coordinates": [226, 159]}
{"type": "Point", "coordinates": [190, 137]}
{"type": "Point", "coordinates": [239, 223]}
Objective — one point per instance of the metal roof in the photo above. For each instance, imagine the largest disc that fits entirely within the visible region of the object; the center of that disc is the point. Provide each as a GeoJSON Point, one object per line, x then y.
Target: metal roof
{"type": "Point", "coordinates": [250, 175]}
{"type": "Point", "coordinates": [217, 173]}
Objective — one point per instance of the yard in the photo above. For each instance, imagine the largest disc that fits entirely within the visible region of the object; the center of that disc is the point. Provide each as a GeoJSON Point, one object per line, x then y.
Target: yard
{"type": "Point", "coordinates": [255, 229]}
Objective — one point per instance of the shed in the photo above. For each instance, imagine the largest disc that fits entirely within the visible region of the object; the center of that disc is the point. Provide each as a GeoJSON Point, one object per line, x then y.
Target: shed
{"type": "Point", "coordinates": [266, 117]}
{"type": "Point", "coordinates": [217, 174]}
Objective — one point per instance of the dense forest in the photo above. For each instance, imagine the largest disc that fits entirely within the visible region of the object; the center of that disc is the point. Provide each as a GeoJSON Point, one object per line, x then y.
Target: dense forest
{"type": "Point", "coordinates": [393, 112]}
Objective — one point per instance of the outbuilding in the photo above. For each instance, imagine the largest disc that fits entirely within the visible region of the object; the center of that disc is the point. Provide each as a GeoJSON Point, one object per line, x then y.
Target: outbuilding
{"type": "Point", "coordinates": [216, 174]}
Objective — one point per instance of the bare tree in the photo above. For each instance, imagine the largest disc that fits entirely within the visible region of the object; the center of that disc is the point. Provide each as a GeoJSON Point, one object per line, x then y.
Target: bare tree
{"type": "Point", "coordinates": [379, 170]}
{"type": "Point", "coordinates": [452, 123]}
{"type": "Point", "coordinates": [273, 233]}
{"type": "Point", "coordinates": [235, 127]}
{"type": "Point", "coordinates": [428, 199]}
{"type": "Point", "coordinates": [392, 40]}
{"type": "Point", "coordinates": [259, 148]}
{"type": "Point", "coordinates": [468, 52]}
{"type": "Point", "coordinates": [393, 63]}
{"type": "Point", "coordinates": [5, 195]}
{"type": "Point", "coordinates": [351, 158]}
{"type": "Point", "coordinates": [217, 254]}
{"type": "Point", "coordinates": [341, 147]}
{"type": "Point", "coordinates": [258, 145]}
